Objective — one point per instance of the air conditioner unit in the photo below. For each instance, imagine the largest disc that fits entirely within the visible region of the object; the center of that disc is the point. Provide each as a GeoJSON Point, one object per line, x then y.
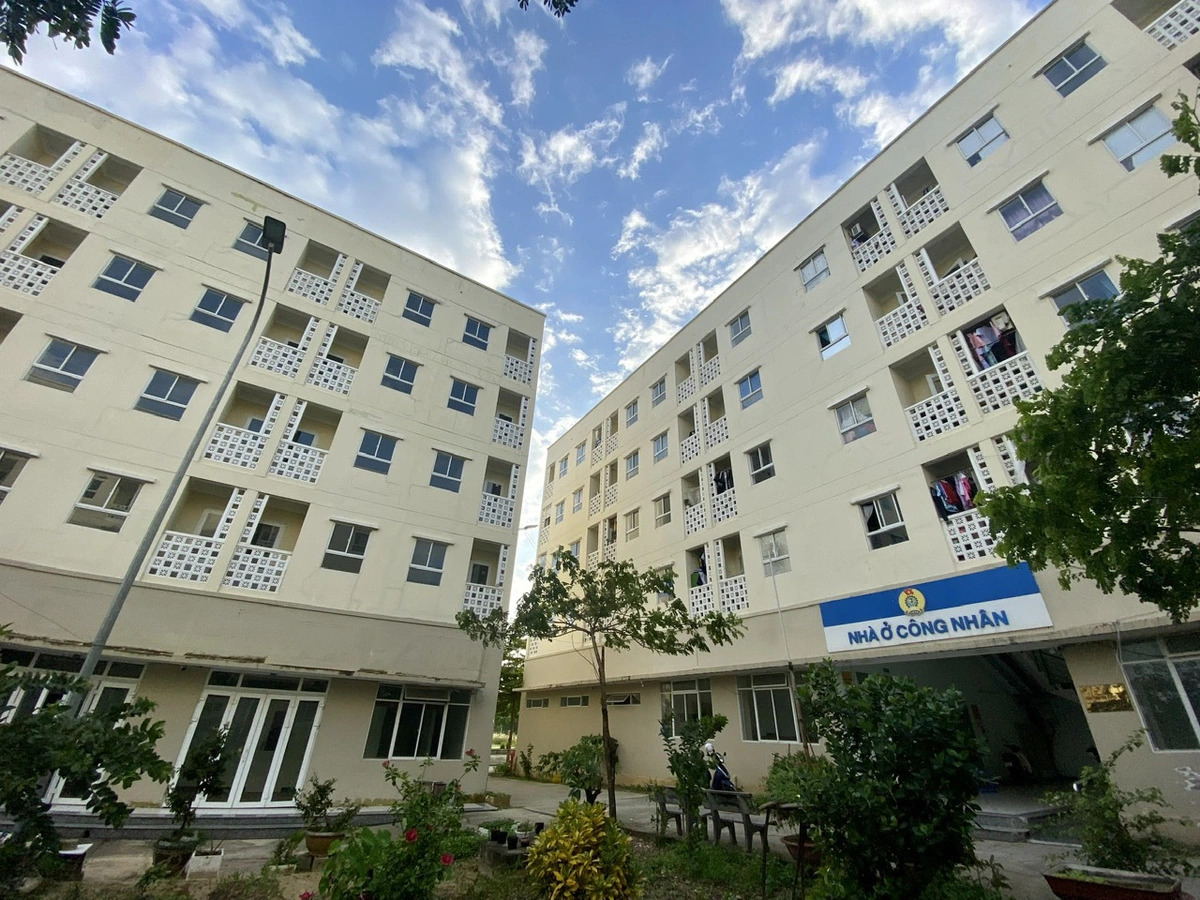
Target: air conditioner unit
{"type": "Point", "coordinates": [856, 230]}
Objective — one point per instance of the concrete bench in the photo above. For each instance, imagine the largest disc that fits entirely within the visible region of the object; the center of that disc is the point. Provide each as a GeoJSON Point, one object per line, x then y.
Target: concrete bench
{"type": "Point", "coordinates": [726, 808]}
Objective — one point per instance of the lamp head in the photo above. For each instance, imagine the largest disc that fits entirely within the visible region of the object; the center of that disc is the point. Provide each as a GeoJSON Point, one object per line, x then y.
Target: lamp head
{"type": "Point", "coordinates": [274, 231]}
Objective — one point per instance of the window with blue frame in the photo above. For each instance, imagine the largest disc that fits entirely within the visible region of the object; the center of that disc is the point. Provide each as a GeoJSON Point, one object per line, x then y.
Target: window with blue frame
{"type": "Point", "coordinates": [375, 452]}
{"type": "Point", "coordinates": [123, 278]}
{"type": "Point", "coordinates": [463, 396]}
{"type": "Point", "coordinates": [400, 374]}
{"type": "Point", "coordinates": [418, 309]}
{"type": "Point", "coordinates": [447, 471]}
{"type": "Point", "coordinates": [477, 333]}
{"type": "Point", "coordinates": [217, 310]}
{"type": "Point", "coordinates": [167, 394]}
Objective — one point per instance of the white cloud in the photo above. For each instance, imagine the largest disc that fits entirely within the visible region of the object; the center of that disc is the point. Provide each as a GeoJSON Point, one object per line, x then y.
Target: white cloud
{"type": "Point", "coordinates": [281, 37]}
{"type": "Point", "coordinates": [528, 50]}
{"type": "Point", "coordinates": [700, 120]}
{"type": "Point", "coordinates": [644, 73]}
{"type": "Point", "coordinates": [886, 115]}
{"type": "Point", "coordinates": [569, 153]}
{"type": "Point", "coordinates": [649, 146]}
{"type": "Point", "coordinates": [814, 74]}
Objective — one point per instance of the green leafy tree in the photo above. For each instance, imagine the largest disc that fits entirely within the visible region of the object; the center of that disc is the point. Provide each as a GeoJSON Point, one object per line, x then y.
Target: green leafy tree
{"type": "Point", "coordinates": [581, 766]}
{"type": "Point", "coordinates": [508, 698]}
{"type": "Point", "coordinates": [607, 607]}
{"type": "Point", "coordinates": [72, 20]}
{"type": "Point", "coordinates": [893, 810]}
{"type": "Point", "coordinates": [104, 750]}
{"type": "Point", "coordinates": [1114, 453]}
{"type": "Point", "coordinates": [686, 762]}
{"type": "Point", "coordinates": [559, 7]}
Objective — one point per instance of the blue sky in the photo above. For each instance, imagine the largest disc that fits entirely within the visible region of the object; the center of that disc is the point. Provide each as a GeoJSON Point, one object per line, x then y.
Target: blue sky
{"type": "Point", "coordinates": [616, 168]}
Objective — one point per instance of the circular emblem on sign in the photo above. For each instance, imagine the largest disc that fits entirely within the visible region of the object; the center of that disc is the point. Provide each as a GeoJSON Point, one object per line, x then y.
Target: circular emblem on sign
{"type": "Point", "coordinates": [912, 602]}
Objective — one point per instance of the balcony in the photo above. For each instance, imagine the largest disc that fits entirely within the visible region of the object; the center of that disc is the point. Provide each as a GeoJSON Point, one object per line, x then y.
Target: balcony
{"type": "Point", "coordinates": [695, 518]}
{"type": "Point", "coordinates": [1172, 27]}
{"type": "Point", "coordinates": [593, 559]}
{"type": "Point", "coordinates": [37, 253]}
{"type": "Point", "coordinates": [37, 158]}
{"type": "Point", "coordinates": [936, 415]}
{"type": "Point", "coordinates": [299, 462]}
{"type": "Point", "coordinates": [970, 535]}
{"type": "Point", "coordinates": [185, 557]}
{"type": "Point", "coordinates": [870, 236]}
{"type": "Point", "coordinates": [257, 569]}
{"type": "Point", "coordinates": [507, 433]}
{"type": "Point", "coordinates": [951, 269]}
{"type": "Point", "coordinates": [917, 199]}
{"type": "Point", "coordinates": [710, 369]}
{"type": "Point", "coordinates": [734, 594]}
{"type": "Point", "coordinates": [689, 447]}
{"type": "Point", "coordinates": [893, 301]}
{"type": "Point", "coordinates": [923, 383]}
{"type": "Point", "coordinates": [725, 505]}
{"type": "Point", "coordinates": [331, 374]}
{"type": "Point", "coordinates": [278, 357]}
{"type": "Point", "coordinates": [315, 275]}
{"type": "Point", "coordinates": [922, 213]}
{"type": "Point", "coordinates": [610, 495]}
{"type": "Point", "coordinates": [362, 297]}
{"type": "Point", "coordinates": [609, 552]}
{"type": "Point", "coordinates": [700, 599]}
{"type": "Point", "coordinates": [960, 286]}
{"type": "Point", "coordinates": [716, 432]}
{"type": "Point", "coordinates": [197, 532]}
{"type": "Point", "coordinates": [236, 446]}
{"type": "Point", "coordinates": [518, 369]}
{"type": "Point", "coordinates": [998, 386]}
{"type": "Point", "coordinates": [496, 510]}
{"type": "Point", "coordinates": [97, 186]}
{"type": "Point", "coordinates": [482, 598]}
{"type": "Point", "coordinates": [594, 504]}
{"type": "Point", "coordinates": [519, 351]}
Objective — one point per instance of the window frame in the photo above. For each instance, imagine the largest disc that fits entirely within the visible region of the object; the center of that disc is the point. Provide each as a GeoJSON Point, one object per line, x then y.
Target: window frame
{"type": "Point", "coordinates": [560, 511]}
{"type": "Point", "coordinates": [173, 215]}
{"type": "Point", "coordinates": [372, 460]}
{"type": "Point", "coordinates": [345, 558]}
{"type": "Point", "coordinates": [748, 691]}
{"type": "Point", "coordinates": [986, 147]}
{"type": "Point", "coordinates": [857, 429]}
{"type": "Point", "coordinates": [460, 403]}
{"type": "Point", "coordinates": [750, 389]}
{"type": "Point", "coordinates": [396, 382]}
{"type": "Point", "coordinates": [214, 318]}
{"type": "Point", "coordinates": [634, 516]}
{"type": "Point", "coordinates": [662, 510]}
{"type": "Point", "coordinates": [660, 446]}
{"type": "Point", "coordinates": [577, 500]}
{"type": "Point", "coordinates": [416, 312]}
{"type": "Point", "coordinates": [875, 539]}
{"type": "Point", "coordinates": [12, 462]}
{"type": "Point", "coordinates": [737, 331]}
{"type": "Point", "coordinates": [701, 688]}
{"type": "Point", "coordinates": [658, 391]}
{"type": "Point", "coordinates": [102, 512]}
{"type": "Point", "coordinates": [427, 572]}
{"type": "Point", "coordinates": [59, 377]}
{"type": "Point", "coordinates": [827, 345]}
{"type": "Point", "coordinates": [562, 467]}
{"type": "Point", "coordinates": [1032, 218]}
{"type": "Point", "coordinates": [631, 413]}
{"type": "Point", "coordinates": [126, 285]}
{"type": "Point", "coordinates": [451, 483]}
{"type": "Point", "coordinates": [1150, 714]}
{"type": "Point", "coordinates": [1073, 79]}
{"type": "Point", "coordinates": [164, 406]}
{"type": "Point", "coordinates": [1148, 148]}
{"type": "Point", "coordinates": [819, 274]}
{"type": "Point", "coordinates": [580, 453]}
{"type": "Point", "coordinates": [472, 337]}
{"type": "Point", "coordinates": [388, 716]}
{"type": "Point", "coordinates": [764, 469]}
{"type": "Point", "coordinates": [779, 561]}
{"type": "Point", "coordinates": [575, 548]}
{"type": "Point", "coordinates": [1076, 286]}
{"type": "Point", "coordinates": [632, 464]}
{"type": "Point", "coordinates": [253, 247]}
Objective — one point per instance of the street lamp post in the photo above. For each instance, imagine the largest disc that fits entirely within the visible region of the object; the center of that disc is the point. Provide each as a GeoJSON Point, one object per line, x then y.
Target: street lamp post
{"type": "Point", "coordinates": [274, 232]}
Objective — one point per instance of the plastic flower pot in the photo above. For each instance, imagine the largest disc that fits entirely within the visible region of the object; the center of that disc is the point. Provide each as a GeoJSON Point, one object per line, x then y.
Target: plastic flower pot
{"type": "Point", "coordinates": [512, 842]}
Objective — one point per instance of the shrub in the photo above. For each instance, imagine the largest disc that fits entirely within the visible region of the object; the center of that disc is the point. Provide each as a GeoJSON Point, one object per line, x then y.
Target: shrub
{"type": "Point", "coordinates": [581, 767]}
{"type": "Point", "coordinates": [1113, 837]}
{"type": "Point", "coordinates": [242, 886]}
{"type": "Point", "coordinates": [317, 808]}
{"type": "Point", "coordinates": [685, 760]}
{"type": "Point", "coordinates": [525, 761]}
{"type": "Point", "coordinates": [583, 854]}
{"type": "Point", "coordinates": [893, 811]}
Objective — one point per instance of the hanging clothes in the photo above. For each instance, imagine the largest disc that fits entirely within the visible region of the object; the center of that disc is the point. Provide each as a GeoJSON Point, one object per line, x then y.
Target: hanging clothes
{"type": "Point", "coordinates": [939, 503]}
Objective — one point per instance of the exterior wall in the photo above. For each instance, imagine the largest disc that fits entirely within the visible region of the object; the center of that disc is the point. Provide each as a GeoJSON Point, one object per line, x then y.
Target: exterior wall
{"type": "Point", "coordinates": [356, 630]}
{"type": "Point", "coordinates": [820, 481]}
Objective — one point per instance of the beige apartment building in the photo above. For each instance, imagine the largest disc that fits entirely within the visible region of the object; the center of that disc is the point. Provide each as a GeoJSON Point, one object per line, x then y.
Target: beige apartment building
{"type": "Point", "coordinates": [359, 486]}
{"type": "Point", "coordinates": [805, 452]}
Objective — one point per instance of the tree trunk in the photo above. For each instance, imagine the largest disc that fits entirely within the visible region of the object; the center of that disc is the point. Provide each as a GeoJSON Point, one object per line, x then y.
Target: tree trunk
{"type": "Point", "coordinates": [610, 774]}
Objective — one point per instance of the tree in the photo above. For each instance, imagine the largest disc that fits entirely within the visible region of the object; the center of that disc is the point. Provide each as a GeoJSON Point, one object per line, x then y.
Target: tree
{"type": "Point", "coordinates": [1115, 452]}
{"type": "Point", "coordinates": [99, 751]}
{"type": "Point", "coordinates": [508, 699]}
{"type": "Point", "coordinates": [70, 19]}
{"type": "Point", "coordinates": [559, 7]}
{"type": "Point", "coordinates": [608, 608]}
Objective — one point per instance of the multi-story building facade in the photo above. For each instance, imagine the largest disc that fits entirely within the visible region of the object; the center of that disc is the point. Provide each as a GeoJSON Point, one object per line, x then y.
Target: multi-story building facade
{"type": "Point", "coordinates": [359, 486]}
{"type": "Point", "coordinates": [807, 448]}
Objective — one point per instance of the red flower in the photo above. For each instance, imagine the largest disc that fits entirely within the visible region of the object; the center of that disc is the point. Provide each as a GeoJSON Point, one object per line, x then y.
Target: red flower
{"type": "Point", "coordinates": [307, 895]}
{"type": "Point", "coordinates": [410, 835]}
{"type": "Point", "coordinates": [447, 858]}
{"type": "Point", "coordinates": [387, 763]}
{"type": "Point", "coordinates": [470, 753]}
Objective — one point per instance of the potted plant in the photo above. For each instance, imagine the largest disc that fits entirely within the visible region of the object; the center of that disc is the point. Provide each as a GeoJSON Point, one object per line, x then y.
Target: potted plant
{"type": "Point", "coordinates": [324, 820]}
{"type": "Point", "coordinates": [1123, 855]}
{"type": "Point", "coordinates": [201, 774]}
{"type": "Point", "coordinates": [283, 858]}
{"type": "Point", "coordinates": [787, 781]}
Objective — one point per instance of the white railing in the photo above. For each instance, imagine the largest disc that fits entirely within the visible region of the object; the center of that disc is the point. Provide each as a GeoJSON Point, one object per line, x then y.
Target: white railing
{"type": "Point", "coordinates": [257, 569]}
{"type": "Point", "coordinates": [331, 375]}
{"type": "Point", "coordinates": [598, 452]}
{"type": "Point", "coordinates": [483, 598]}
{"type": "Point", "coordinates": [1009, 380]}
{"type": "Point", "coordinates": [298, 461]}
{"type": "Point", "coordinates": [352, 303]}
{"type": "Point", "coordinates": [508, 434]}
{"type": "Point", "coordinates": [593, 559]}
{"type": "Point", "coordinates": [277, 357]}
{"type": "Point", "coordinates": [936, 415]}
{"type": "Point", "coordinates": [24, 173]}
{"type": "Point", "coordinates": [695, 518]}
{"type": "Point", "coordinates": [310, 286]}
{"type": "Point", "coordinates": [235, 446]}
{"type": "Point", "coordinates": [700, 599]}
{"type": "Point", "coordinates": [518, 369]}
{"type": "Point", "coordinates": [611, 443]}
{"type": "Point", "coordinates": [610, 495]}
{"type": "Point", "coordinates": [923, 212]}
{"type": "Point", "coordinates": [734, 595]}
{"type": "Point", "coordinates": [686, 388]}
{"type": "Point", "coordinates": [187, 557]}
{"type": "Point", "coordinates": [716, 432]}
{"type": "Point", "coordinates": [959, 286]}
{"type": "Point", "coordinates": [496, 510]}
{"type": "Point", "coordinates": [710, 370]}
{"type": "Point", "coordinates": [1176, 25]}
{"type": "Point", "coordinates": [725, 505]}
{"type": "Point", "coordinates": [875, 248]}
{"type": "Point", "coordinates": [86, 198]}
{"type": "Point", "coordinates": [594, 502]}
{"type": "Point", "coordinates": [20, 273]}
{"type": "Point", "coordinates": [689, 447]}
{"type": "Point", "coordinates": [610, 552]}
{"type": "Point", "coordinates": [902, 321]}
{"type": "Point", "coordinates": [970, 535]}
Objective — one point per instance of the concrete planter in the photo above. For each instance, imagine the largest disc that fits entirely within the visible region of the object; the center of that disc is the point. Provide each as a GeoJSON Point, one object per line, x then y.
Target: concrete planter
{"type": "Point", "coordinates": [1091, 883]}
{"type": "Point", "coordinates": [71, 861]}
{"type": "Point", "coordinates": [205, 864]}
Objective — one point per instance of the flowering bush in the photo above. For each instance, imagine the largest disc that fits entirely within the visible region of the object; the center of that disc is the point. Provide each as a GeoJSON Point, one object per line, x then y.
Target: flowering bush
{"type": "Point", "coordinates": [374, 865]}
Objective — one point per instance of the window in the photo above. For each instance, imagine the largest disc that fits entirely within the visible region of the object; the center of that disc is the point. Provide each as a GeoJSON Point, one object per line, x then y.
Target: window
{"type": "Point", "coordinates": [447, 471]}
{"type": "Point", "coordinates": [105, 502]}
{"type": "Point", "coordinates": [833, 337]}
{"type": "Point", "coordinates": [981, 141]}
{"type": "Point", "coordinates": [624, 699]}
{"type": "Point", "coordinates": [631, 413]}
{"type": "Point", "coordinates": [631, 464]}
{"type": "Point", "coordinates": [217, 310]}
{"type": "Point", "coordinates": [659, 445]}
{"type": "Point", "coordinates": [537, 702]}
{"type": "Point", "coordinates": [417, 723]}
{"type": "Point", "coordinates": [632, 523]}
{"type": "Point", "coordinates": [463, 396]}
{"type": "Point", "coordinates": [11, 464]}
{"type": "Point", "coordinates": [1140, 138]}
{"type": "Point", "coordinates": [176, 208]}
{"type": "Point", "coordinates": [658, 391]}
{"type": "Point", "coordinates": [541, 561]}
{"type": "Point", "coordinates": [762, 466]}
{"type": "Point", "coordinates": [347, 547]}
{"type": "Point", "coordinates": [577, 500]}
{"type": "Point", "coordinates": [739, 328]}
{"type": "Point", "coordinates": [400, 374]}
{"type": "Point", "coordinates": [580, 453]}
{"type": "Point", "coordinates": [419, 309]}
{"type": "Point", "coordinates": [427, 561]}
{"type": "Point", "coordinates": [479, 574]}
{"type": "Point", "coordinates": [167, 394]}
{"type": "Point", "coordinates": [562, 467]}
{"type": "Point", "coordinates": [814, 270]}
{"type": "Point", "coordinates": [750, 389]}
{"type": "Point", "coordinates": [574, 549]}
{"type": "Point", "coordinates": [1164, 676]}
{"type": "Point", "coordinates": [62, 365]}
{"type": "Point", "coordinates": [854, 419]}
{"type": "Point", "coordinates": [884, 522]}
{"type": "Point", "coordinates": [251, 241]}
{"type": "Point", "coordinates": [495, 488]}
{"type": "Point", "coordinates": [477, 333]}
{"type": "Point", "coordinates": [1097, 286]}
{"type": "Point", "coordinates": [1030, 210]}
{"type": "Point", "coordinates": [768, 713]}
{"type": "Point", "coordinates": [124, 278]}
{"type": "Point", "coordinates": [375, 452]}
{"type": "Point", "coordinates": [1073, 68]}
{"type": "Point", "coordinates": [573, 700]}
{"type": "Point", "coordinates": [662, 510]}
{"type": "Point", "coordinates": [559, 511]}
{"type": "Point", "coordinates": [775, 556]}
{"type": "Point", "coordinates": [685, 701]}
